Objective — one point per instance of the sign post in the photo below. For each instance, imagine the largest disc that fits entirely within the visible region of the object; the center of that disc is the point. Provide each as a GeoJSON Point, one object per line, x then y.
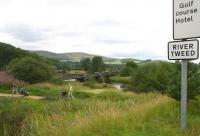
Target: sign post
{"type": "Point", "coordinates": [186, 22]}
{"type": "Point", "coordinates": [184, 71]}
{"type": "Point", "coordinates": [183, 50]}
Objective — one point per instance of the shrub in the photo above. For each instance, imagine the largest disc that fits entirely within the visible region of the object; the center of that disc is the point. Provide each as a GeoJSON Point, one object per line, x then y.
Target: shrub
{"type": "Point", "coordinates": [128, 68]}
{"type": "Point", "coordinates": [164, 77]}
{"type": "Point", "coordinates": [30, 70]}
{"type": "Point", "coordinates": [5, 85]}
{"type": "Point", "coordinates": [152, 76]}
{"type": "Point", "coordinates": [174, 85]}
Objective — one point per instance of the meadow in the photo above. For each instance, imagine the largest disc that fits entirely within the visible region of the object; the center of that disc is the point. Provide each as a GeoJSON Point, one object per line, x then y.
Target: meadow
{"type": "Point", "coordinates": [103, 113]}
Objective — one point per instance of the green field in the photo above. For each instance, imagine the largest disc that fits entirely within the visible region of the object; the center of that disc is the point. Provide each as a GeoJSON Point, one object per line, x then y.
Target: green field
{"type": "Point", "coordinates": [104, 113]}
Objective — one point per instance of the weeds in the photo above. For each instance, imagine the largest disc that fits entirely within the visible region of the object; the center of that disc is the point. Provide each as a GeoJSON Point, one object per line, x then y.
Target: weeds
{"type": "Point", "coordinates": [108, 113]}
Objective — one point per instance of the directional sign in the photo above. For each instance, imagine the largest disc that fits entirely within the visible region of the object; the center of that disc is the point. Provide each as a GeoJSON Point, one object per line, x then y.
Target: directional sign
{"type": "Point", "coordinates": [183, 50]}
{"type": "Point", "coordinates": [186, 19]}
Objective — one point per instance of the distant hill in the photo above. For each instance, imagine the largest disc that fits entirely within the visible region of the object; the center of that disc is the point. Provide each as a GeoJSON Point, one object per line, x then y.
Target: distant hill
{"type": "Point", "coordinates": [52, 55]}
{"type": "Point", "coordinates": [74, 56]}
{"type": "Point", "coordinates": [78, 56]}
{"type": "Point", "coordinates": [9, 52]}
{"type": "Point", "coordinates": [134, 60]}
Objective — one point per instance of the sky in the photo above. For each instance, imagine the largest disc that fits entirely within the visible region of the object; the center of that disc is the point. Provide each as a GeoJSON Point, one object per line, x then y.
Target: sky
{"type": "Point", "coordinates": [137, 29]}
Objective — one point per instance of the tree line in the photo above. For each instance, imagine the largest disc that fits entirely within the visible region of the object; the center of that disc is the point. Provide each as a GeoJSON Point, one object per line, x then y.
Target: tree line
{"type": "Point", "coordinates": [28, 66]}
{"type": "Point", "coordinates": [165, 78]}
{"type": "Point", "coordinates": [32, 68]}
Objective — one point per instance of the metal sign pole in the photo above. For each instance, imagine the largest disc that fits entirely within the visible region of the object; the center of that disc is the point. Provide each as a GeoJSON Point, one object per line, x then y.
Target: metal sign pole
{"type": "Point", "coordinates": [184, 71]}
{"type": "Point", "coordinates": [184, 27]}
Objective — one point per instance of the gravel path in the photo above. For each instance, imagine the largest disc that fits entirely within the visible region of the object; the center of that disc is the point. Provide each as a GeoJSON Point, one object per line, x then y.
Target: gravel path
{"type": "Point", "coordinates": [16, 95]}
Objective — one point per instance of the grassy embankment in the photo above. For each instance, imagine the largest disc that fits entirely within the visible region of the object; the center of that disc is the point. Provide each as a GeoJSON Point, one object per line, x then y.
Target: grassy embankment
{"type": "Point", "coordinates": [97, 114]}
{"type": "Point", "coordinates": [119, 79]}
{"type": "Point", "coordinates": [49, 89]}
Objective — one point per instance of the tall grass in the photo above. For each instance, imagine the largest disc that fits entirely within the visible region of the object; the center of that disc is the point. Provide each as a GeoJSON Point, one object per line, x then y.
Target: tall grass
{"type": "Point", "coordinates": [49, 89]}
{"type": "Point", "coordinates": [103, 114]}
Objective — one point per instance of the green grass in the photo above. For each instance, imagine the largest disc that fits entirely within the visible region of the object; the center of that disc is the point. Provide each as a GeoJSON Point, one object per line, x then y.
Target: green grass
{"type": "Point", "coordinates": [48, 89]}
{"type": "Point", "coordinates": [107, 113]}
{"type": "Point", "coordinates": [5, 91]}
{"type": "Point", "coordinates": [52, 90]}
{"type": "Point", "coordinates": [119, 79]}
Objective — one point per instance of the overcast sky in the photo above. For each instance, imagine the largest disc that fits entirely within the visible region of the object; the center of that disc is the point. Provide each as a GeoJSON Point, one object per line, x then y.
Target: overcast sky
{"type": "Point", "coordinates": [116, 28]}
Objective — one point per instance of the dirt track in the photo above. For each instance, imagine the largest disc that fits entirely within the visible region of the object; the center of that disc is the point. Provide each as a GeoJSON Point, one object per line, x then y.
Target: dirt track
{"type": "Point", "coordinates": [16, 95]}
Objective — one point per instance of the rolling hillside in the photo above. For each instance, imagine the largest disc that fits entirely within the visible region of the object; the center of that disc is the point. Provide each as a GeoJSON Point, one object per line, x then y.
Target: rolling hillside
{"type": "Point", "coordinates": [52, 55]}
{"type": "Point", "coordinates": [78, 56]}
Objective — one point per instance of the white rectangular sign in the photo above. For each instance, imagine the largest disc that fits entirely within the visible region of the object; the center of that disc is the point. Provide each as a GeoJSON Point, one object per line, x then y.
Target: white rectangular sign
{"type": "Point", "coordinates": [186, 19]}
{"type": "Point", "coordinates": [183, 50]}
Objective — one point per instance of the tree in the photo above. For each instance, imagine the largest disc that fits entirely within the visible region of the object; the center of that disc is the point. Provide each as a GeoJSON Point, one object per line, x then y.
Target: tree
{"type": "Point", "coordinates": [86, 64]}
{"type": "Point", "coordinates": [97, 64]}
{"type": "Point", "coordinates": [165, 78]}
{"type": "Point", "coordinates": [153, 76]}
{"type": "Point", "coordinates": [8, 52]}
{"type": "Point", "coordinates": [174, 85]}
{"type": "Point", "coordinates": [30, 70]}
{"type": "Point", "coordinates": [131, 64]}
{"type": "Point", "coordinates": [128, 68]}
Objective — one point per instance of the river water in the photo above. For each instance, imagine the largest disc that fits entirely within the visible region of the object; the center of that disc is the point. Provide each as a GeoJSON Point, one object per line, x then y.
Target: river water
{"type": "Point", "coordinates": [117, 86]}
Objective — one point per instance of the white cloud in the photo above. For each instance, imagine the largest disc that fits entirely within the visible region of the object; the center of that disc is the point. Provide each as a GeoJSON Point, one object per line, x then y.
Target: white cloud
{"type": "Point", "coordinates": [116, 28]}
{"type": "Point", "coordinates": [24, 33]}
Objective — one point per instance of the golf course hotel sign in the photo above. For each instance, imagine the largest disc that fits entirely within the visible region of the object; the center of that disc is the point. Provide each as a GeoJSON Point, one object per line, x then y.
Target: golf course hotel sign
{"type": "Point", "coordinates": [186, 19]}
